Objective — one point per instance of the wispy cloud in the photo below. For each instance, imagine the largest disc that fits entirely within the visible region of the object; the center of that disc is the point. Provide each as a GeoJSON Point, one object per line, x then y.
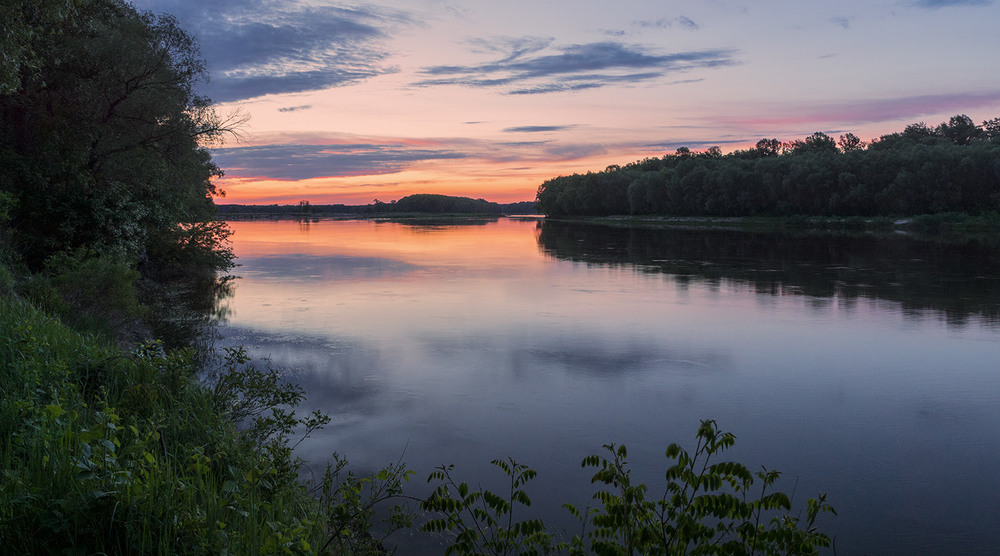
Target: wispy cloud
{"type": "Point", "coordinates": [510, 48]}
{"type": "Point", "coordinates": [875, 110]}
{"type": "Point", "coordinates": [666, 23]}
{"type": "Point", "coordinates": [935, 4]}
{"type": "Point", "coordinates": [291, 157]}
{"type": "Point", "coordinates": [295, 108]}
{"type": "Point", "coordinates": [844, 22]}
{"type": "Point", "coordinates": [304, 161]}
{"type": "Point", "coordinates": [670, 145]}
{"type": "Point", "coordinates": [538, 68]}
{"type": "Point", "coordinates": [255, 48]}
{"type": "Point", "coordinates": [686, 81]}
{"type": "Point", "coordinates": [537, 128]}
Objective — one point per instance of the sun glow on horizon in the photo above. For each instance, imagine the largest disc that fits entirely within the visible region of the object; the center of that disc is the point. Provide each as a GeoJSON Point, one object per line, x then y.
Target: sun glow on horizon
{"type": "Point", "coordinates": [496, 181]}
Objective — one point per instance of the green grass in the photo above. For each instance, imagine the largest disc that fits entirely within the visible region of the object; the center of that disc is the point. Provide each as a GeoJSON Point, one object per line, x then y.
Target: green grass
{"type": "Point", "coordinates": [104, 451]}
{"type": "Point", "coordinates": [110, 444]}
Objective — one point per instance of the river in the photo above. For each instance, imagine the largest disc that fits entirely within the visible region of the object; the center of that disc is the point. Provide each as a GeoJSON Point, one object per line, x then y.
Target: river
{"type": "Point", "coordinates": [864, 367]}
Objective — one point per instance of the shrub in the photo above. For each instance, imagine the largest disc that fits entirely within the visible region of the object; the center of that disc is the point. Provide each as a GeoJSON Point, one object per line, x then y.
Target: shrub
{"type": "Point", "coordinates": [708, 507]}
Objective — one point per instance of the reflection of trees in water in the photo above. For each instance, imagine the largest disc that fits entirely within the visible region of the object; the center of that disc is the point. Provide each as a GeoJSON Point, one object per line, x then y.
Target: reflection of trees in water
{"type": "Point", "coordinates": [958, 280]}
{"type": "Point", "coordinates": [432, 223]}
{"type": "Point", "coordinates": [184, 310]}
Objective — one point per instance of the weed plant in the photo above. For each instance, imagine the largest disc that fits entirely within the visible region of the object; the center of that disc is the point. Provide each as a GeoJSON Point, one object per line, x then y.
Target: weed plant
{"type": "Point", "coordinates": [707, 507]}
{"type": "Point", "coordinates": [104, 451]}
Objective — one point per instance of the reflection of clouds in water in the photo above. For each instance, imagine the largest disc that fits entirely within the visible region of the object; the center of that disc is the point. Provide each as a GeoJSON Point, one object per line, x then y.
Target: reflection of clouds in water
{"type": "Point", "coordinates": [465, 396]}
{"type": "Point", "coordinates": [337, 376]}
{"type": "Point", "coordinates": [298, 267]}
{"type": "Point", "coordinates": [576, 354]}
{"type": "Point", "coordinates": [349, 376]}
{"type": "Point", "coordinates": [592, 358]}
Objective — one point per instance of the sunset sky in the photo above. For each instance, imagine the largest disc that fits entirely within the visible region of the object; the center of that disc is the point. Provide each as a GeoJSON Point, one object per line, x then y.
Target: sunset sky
{"type": "Point", "coordinates": [353, 102]}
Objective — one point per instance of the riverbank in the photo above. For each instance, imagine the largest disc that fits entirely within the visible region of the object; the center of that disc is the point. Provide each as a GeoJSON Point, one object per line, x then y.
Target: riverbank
{"type": "Point", "coordinates": [943, 226]}
{"type": "Point", "coordinates": [986, 224]}
{"type": "Point", "coordinates": [383, 216]}
{"type": "Point", "coordinates": [121, 447]}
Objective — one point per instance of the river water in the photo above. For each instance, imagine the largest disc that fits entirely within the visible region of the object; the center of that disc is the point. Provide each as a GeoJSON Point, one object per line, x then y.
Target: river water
{"type": "Point", "coordinates": [860, 366]}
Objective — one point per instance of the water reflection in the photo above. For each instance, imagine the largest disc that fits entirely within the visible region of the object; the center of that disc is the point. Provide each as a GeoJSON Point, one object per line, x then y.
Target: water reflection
{"type": "Point", "coordinates": [297, 266]}
{"type": "Point", "coordinates": [334, 372]}
{"type": "Point", "coordinates": [592, 356]}
{"type": "Point", "coordinates": [184, 311]}
{"type": "Point", "coordinates": [830, 358]}
{"type": "Point", "coordinates": [957, 280]}
{"type": "Point", "coordinates": [431, 223]}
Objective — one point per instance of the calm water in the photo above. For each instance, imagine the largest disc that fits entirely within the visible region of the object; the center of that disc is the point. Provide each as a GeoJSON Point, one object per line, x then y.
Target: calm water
{"type": "Point", "coordinates": [866, 368]}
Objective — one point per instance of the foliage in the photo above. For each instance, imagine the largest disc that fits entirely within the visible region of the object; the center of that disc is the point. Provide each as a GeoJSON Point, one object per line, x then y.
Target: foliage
{"type": "Point", "coordinates": [21, 21]}
{"type": "Point", "coordinates": [102, 136]}
{"type": "Point", "coordinates": [351, 501]}
{"type": "Point", "coordinates": [6, 208]}
{"type": "Point", "coordinates": [90, 293]}
{"type": "Point", "coordinates": [259, 399]}
{"type": "Point", "coordinates": [121, 453]}
{"type": "Point", "coordinates": [104, 451]}
{"type": "Point", "coordinates": [923, 170]}
{"type": "Point", "coordinates": [483, 521]}
{"type": "Point", "coordinates": [105, 176]}
{"type": "Point", "coordinates": [707, 507]}
{"type": "Point", "coordinates": [189, 247]}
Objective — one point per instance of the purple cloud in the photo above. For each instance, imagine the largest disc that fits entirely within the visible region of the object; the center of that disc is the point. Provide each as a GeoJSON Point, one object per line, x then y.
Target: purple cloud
{"type": "Point", "coordinates": [304, 161]}
{"type": "Point", "coordinates": [935, 4]}
{"type": "Point", "coordinates": [254, 48]}
{"type": "Point", "coordinates": [572, 68]}
{"type": "Point", "coordinates": [537, 128]}
{"type": "Point", "coordinates": [877, 110]}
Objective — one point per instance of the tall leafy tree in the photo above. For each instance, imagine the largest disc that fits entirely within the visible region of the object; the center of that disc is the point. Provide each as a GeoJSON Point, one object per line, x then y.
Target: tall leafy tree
{"type": "Point", "coordinates": [104, 137]}
{"type": "Point", "coordinates": [991, 130]}
{"type": "Point", "coordinates": [769, 147]}
{"type": "Point", "coordinates": [850, 142]}
{"type": "Point", "coordinates": [960, 130]}
{"type": "Point", "coordinates": [817, 142]}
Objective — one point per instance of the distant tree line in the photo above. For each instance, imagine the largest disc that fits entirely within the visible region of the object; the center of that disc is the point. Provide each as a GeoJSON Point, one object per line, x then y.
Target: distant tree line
{"type": "Point", "coordinates": [421, 203]}
{"type": "Point", "coordinates": [954, 167]}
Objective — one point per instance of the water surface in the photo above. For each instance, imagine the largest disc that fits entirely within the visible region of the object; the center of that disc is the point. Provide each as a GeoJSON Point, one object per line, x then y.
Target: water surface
{"type": "Point", "coordinates": [863, 367]}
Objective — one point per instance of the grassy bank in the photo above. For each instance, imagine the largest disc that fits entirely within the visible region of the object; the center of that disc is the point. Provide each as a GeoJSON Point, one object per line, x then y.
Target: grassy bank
{"type": "Point", "coordinates": [111, 450]}
{"type": "Point", "coordinates": [114, 452]}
